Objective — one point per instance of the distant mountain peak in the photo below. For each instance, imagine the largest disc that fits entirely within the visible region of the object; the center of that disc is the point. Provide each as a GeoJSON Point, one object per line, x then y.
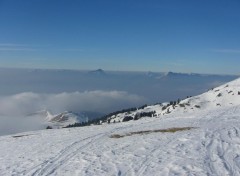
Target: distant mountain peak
{"type": "Point", "coordinates": [98, 72]}
{"type": "Point", "coordinates": [170, 73]}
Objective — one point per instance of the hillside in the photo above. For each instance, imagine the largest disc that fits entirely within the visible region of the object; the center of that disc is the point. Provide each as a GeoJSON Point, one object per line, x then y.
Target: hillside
{"type": "Point", "coordinates": [197, 136]}
{"type": "Point", "coordinates": [226, 95]}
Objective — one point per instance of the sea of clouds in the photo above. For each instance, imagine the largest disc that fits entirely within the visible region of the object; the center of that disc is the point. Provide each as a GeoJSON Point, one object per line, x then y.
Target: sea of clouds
{"type": "Point", "coordinates": [15, 109]}
{"type": "Point", "coordinates": [97, 101]}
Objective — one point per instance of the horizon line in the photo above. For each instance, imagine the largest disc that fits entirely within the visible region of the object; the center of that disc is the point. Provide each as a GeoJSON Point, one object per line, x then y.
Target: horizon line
{"type": "Point", "coordinates": [108, 70]}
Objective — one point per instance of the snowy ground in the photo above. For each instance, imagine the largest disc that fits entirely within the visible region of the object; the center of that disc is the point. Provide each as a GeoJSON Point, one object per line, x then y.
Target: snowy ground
{"type": "Point", "coordinates": [212, 148]}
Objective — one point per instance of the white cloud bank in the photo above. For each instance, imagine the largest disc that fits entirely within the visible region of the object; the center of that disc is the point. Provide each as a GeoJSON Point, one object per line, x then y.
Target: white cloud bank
{"type": "Point", "coordinates": [14, 110]}
{"type": "Point", "coordinates": [97, 101]}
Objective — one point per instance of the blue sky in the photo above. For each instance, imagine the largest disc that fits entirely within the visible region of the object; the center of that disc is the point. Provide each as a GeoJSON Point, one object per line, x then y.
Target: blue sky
{"type": "Point", "coordinates": [139, 35]}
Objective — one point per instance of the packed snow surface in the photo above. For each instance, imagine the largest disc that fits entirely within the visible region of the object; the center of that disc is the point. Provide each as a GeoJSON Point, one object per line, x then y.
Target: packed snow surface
{"type": "Point", "coordinates": [212, 147]}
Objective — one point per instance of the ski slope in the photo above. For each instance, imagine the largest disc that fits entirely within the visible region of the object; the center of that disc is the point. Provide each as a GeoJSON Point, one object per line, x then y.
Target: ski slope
{"type": "Point", "coordinates": [212, 147]}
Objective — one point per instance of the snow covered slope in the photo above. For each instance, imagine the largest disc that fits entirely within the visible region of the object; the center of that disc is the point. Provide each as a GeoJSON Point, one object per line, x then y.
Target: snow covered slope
{"type": "Point", "coordinates": [211, 147]}
{"type": "Point", "coordinates": [66, 118]}
{"type": "Point", "coordinates": [226, 95]}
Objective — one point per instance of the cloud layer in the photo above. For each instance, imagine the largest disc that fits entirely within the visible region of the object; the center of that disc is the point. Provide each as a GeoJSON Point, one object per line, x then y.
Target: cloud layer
{"type": "Point", "coordinates": [97, 101]}
{"type": "Point", "coordinates": [14, 110]}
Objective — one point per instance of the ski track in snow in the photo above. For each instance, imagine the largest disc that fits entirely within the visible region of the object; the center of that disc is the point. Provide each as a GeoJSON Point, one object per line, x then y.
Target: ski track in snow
{"type": "Point", "coordinates": [223, 147]}
{"type": "Point", "coordinates": [49, 167]}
